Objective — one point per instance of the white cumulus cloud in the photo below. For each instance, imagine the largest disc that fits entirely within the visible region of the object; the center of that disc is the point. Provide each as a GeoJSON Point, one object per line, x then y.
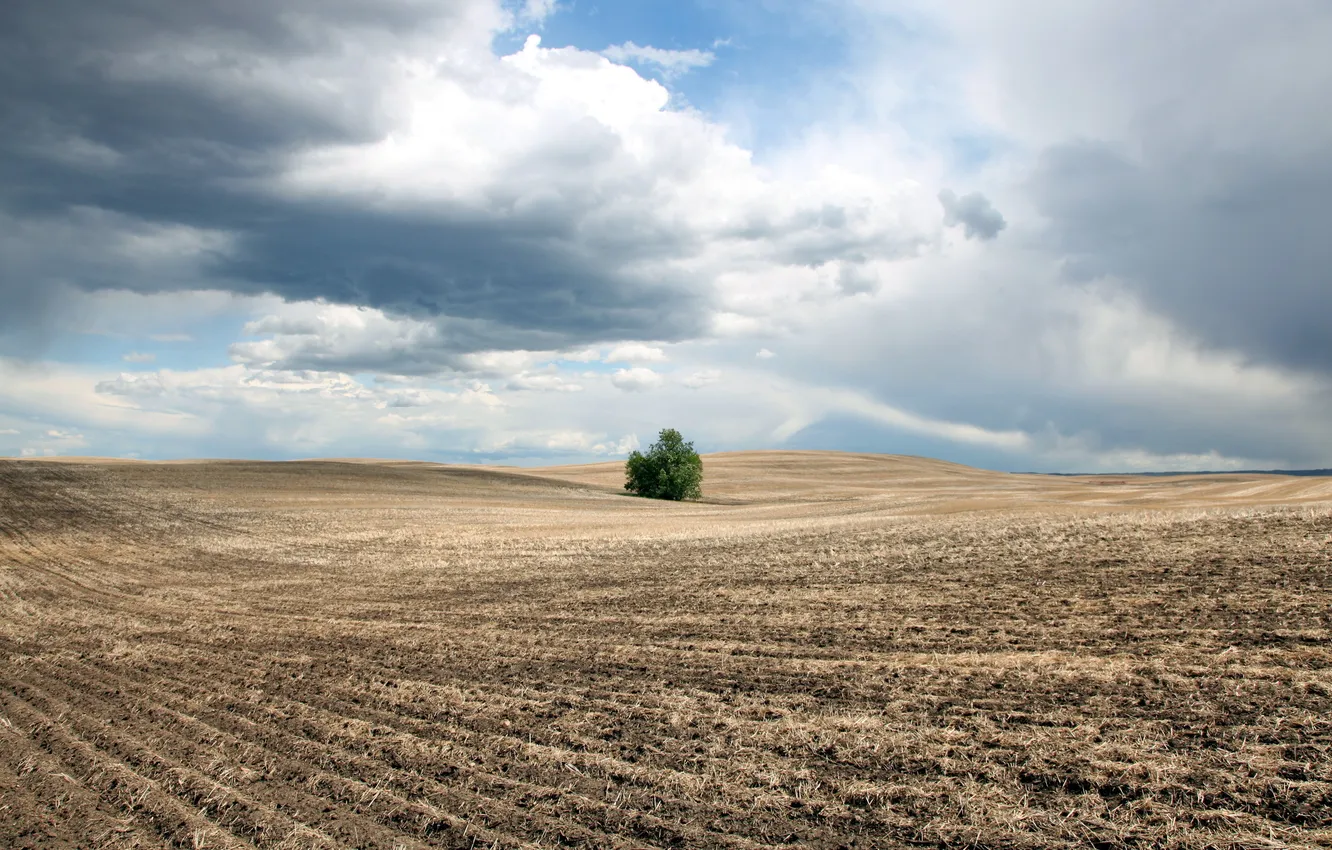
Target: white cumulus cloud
{"type": "Point", "coordinates": [637, 379]}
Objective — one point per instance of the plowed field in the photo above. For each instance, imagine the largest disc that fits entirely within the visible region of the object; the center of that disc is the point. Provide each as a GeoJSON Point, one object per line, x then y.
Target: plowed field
{"type": "Point", "coordinates": [833, 651]}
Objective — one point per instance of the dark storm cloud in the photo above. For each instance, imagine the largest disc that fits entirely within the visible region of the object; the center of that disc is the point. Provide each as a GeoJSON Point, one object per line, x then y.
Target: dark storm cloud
{"type": "Point", "coordinates": [974, 212]}
{"type": "Point", "coordinates": [1192, 169]}
{"type": "Point", "coordinates": [154, 113]}
{"type": "Point", "coordinates": [154, 77]}
{"type": "Point", "coordinates": [529, 276]}
{"type": "Point", "coordinates": [1233, 247]}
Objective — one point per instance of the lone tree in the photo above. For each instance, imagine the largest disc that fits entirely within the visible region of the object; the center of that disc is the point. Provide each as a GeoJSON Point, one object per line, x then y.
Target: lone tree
{"type": "Point", "coordinates": [671, 469]}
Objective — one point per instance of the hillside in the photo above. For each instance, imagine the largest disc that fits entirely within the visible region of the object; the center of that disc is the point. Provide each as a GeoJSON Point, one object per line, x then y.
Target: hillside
{"type": "Point", "coordinates": [803, 476]}
{"type": "Point", "coordinates": [835, 651]}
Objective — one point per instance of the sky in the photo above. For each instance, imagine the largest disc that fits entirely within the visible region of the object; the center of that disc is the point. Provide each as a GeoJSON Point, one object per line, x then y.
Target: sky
{"type": "Point", "coordinates": [1022, 235]}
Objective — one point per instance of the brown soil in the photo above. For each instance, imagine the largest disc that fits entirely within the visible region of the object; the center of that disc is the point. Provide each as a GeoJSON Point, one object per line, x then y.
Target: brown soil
{"type": "Point", "coordinates": [832, 651]}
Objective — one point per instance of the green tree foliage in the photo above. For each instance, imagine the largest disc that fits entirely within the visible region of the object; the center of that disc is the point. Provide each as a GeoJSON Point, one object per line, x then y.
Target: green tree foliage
{"type": "Point", "coordinates": [671, 469]}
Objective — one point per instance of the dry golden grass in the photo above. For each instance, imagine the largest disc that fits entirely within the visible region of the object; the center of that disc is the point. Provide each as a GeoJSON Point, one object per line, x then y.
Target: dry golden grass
{"type": "Point", "coordinates": [832, 651]}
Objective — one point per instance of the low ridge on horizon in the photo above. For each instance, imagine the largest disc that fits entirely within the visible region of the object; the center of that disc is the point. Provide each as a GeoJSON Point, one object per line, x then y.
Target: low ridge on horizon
{"type": "Point", "coordinates": [738, 454]}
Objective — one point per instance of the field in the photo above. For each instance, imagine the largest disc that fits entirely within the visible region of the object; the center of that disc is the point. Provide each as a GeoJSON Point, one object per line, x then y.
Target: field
{"type": "Point", "coordinates": [832, 651]}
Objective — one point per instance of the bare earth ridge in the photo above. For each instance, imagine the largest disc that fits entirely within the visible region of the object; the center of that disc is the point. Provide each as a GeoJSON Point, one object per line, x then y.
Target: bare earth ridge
{"type": "Point", "coordinates": [831, 650]}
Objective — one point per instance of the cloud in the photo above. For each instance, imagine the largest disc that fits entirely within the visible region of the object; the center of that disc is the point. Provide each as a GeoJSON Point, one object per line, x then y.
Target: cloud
{"type": "Point", "coordinates": [545, 199]}
{"type": "Point", "coordinates": [671, 62]}
{"type": "Point", "coordinates": [702, 378]}
{"type": "Point", "coordinates": [826, 401]}
{"type": "Point", "coordinates": [139, 357]}
{"type": "Point", "coordinates": [469, 227]}
{"type": "Point", "coordinates": [638, 379]}
{"type": "Point", "coordinates": [1231, 249]}
{"type": "Point", "coordinates": [335, 337]}
{"type": "Point", "coordinates": [997, 340]}
{"type": "Point", "coordinates": [1193, 173]}
{"type": "Point", "coordinates": [584, 355]}
{"type": "Point", "coordinates": [536, 11]}
{"type": "Point", "coordinates": [857, 279]}
{"type": "Point", "coordinates": [407, 398]}
{"type": "Point", "coordinates": [575, 443]}
{"type": "Point", "coordinates": [543, 382]}
{"type": "Point", "coordinates": [51, 442]}
{"type": "Point", "coordinates": [974, 212]}
{"type": "Point", "coordinates": [635, 352]}
{"type": "Point", "coordinates": [47, 392]}
{"type": "Point", "coordinates": [52, 254]}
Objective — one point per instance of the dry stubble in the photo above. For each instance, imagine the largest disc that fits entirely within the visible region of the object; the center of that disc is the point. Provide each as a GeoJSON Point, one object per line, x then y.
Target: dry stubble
{"type": "Point", "coordinates": [838, 651]}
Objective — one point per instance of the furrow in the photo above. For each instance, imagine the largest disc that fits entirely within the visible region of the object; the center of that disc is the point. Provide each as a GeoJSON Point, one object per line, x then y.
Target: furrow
{"type": "Point", "coordinates": [368, 747]}
{"type": "Point", "coordinates": [117, 784]}
{"type": "Point", "coordinates": [221, 804]}
{"type": "Point", "coordinates": [485, 720]}
{"type": "Point", "coordinates": [33, 781]}
{"type": "Point", "coordinates": [424, 809]}
{"type": "Point", "coordinates": [261, 811]}
{"type": "Point", "coordinates": [367, 732]}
